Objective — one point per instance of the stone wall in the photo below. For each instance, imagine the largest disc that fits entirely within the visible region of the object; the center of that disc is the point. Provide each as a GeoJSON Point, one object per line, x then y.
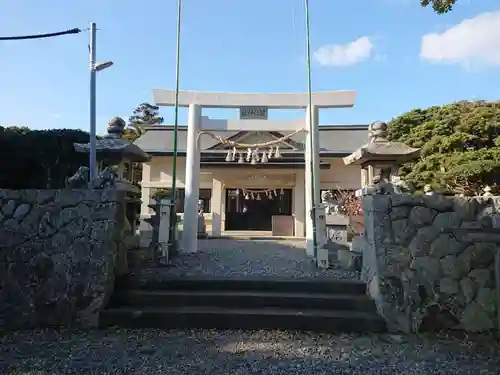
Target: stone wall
{"type": "Point", "coordinates": [58, 255]}
{"type": "Point", "coordinates": [429, 261]}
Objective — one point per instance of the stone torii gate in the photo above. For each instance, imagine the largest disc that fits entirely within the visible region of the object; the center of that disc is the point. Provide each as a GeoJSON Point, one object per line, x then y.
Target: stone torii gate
{"type": "Point", "coordinates": [196, 100]}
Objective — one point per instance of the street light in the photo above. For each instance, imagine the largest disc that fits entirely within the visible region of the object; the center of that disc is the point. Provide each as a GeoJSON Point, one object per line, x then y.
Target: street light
{"type": "Point", "coordinates": [102, 65]}
{"type": "Point", "coordinates": [94, 68]}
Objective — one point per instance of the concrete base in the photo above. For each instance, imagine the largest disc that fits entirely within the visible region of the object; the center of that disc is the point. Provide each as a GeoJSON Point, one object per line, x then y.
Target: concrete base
{"type": "Point", "coordinates": [349, 260]}
{"type": "Point", "coordinates": [202, 229]}
{"type": "Point", "coordinates": [358, 244]}
{"type": "Point", "coordinates": [323, 259]}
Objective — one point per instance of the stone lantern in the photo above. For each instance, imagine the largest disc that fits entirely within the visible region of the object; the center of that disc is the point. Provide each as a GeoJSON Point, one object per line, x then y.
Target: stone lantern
{"type": "Point", "coordinates": [113, 150]}
{"type": "Point", "coordinates": [380, 160]}
{"type": "Point", "coordinates": [116, 156]}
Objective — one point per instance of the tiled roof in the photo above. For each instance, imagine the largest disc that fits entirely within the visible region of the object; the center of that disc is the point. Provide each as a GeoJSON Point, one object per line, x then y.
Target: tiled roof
{"type": "Point", "coordinates": [341, 139]}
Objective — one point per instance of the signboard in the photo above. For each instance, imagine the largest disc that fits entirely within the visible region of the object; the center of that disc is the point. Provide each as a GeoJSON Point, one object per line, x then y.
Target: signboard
{"type": "Point", "coordinates": [253, 113]}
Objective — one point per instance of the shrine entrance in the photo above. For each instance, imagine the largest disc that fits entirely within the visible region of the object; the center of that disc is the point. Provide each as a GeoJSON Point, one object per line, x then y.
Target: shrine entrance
{"type": "Point", "coordinates": [254, 209]}
{"type": "Point", "coordinates": [253, 108]}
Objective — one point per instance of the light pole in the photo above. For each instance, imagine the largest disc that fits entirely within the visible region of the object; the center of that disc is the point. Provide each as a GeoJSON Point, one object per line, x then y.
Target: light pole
{"type": "Point", "coordinates": [312, 133]}
{"type": "Point", "coordinates": [94, 68]}
{"type": "Point", "coordinates": [173, 213]}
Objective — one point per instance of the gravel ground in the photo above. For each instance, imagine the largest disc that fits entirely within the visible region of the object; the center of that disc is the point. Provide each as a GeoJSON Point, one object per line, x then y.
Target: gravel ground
{"type": "Point", "coordinates": [229, 257]}
{"type": "Point", "coordinates": [235, 352]}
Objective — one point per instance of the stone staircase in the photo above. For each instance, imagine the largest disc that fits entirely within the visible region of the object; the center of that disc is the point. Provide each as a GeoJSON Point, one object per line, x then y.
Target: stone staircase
{"type": "Point", "coordinates": [321, 305]}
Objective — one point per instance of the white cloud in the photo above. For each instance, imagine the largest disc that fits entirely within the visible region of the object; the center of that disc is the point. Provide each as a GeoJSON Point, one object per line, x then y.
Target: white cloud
{"type": "Point", "coordinates": [473, 42]}
{"type": "Point", "coordinates": [342, 55]}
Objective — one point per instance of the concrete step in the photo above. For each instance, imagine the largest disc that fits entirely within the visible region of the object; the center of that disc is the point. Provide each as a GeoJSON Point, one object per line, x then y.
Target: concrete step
{"type": "Point", "coordinates": [227, 318]}
{"type": "Point", "coordinates": [274, 284]}
{"type": "Point", "coordinates": [242, 299]}
{"type": "Point", "coordinates": [253, 237]}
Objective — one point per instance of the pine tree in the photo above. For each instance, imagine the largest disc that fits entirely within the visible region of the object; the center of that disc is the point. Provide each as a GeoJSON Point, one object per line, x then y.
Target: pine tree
{"type": "Point", "coordinates": [439, 6]}
{"type": "Point", "coordinates": [459, 145]}
{"type": "Point", "coordinates": [144, 115]}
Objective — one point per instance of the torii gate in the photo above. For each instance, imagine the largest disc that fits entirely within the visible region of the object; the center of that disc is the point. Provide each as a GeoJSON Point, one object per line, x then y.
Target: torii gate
{"type": "Point", "coordinates": [197, 100]}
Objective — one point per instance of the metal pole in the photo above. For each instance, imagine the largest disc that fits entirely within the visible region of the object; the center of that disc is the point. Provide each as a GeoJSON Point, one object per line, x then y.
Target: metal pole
{"type": "Point", "coordinates": [311, 136]}
{"type": "Point", "coordinates": [173, 213]}
{"type": "Point", "coordinates": [92, 154]}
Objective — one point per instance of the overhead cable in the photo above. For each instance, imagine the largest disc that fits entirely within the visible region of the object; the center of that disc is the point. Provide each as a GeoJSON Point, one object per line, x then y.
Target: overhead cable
{"type": "Point", "coordinates": [39, 36]}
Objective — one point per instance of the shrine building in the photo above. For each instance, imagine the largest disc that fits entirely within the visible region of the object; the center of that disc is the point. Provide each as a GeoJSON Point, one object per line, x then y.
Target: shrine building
{"type": "Point", "coordinates": [255, 195]}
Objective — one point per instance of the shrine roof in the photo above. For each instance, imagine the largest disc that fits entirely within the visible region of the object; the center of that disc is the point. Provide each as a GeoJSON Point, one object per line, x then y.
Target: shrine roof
{"type": "Point", "coordinates": [338, 140]}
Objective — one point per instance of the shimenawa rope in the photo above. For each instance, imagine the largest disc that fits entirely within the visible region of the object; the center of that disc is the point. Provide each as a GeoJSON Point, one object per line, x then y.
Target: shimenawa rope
{"type": "Point", "coordinates": [229, 142]}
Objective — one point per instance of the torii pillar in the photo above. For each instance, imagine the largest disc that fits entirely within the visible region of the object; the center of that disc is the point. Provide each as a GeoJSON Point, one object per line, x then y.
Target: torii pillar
{"type": "Point", "coordinates": [196, 100]}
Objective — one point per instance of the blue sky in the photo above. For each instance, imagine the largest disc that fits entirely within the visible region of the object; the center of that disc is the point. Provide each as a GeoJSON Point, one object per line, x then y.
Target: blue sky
{"type": "Point", "coordinates": [377, 47]}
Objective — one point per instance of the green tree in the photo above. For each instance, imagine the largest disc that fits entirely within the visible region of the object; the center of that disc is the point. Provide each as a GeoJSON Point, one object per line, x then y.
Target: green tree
{"type": "Point", "coordinates": [439, 6]}
{"type": "Point", "coordinates": [14, 129]}
{"type": "Point", "coordinates": [459, 145]}
{"type": "Point", "coordinates": [144, 115]}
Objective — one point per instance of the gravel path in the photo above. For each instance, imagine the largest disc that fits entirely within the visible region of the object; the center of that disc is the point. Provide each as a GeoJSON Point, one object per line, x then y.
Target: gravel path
{"type": "Point", "coordinates": [229, 257]}
{"type": "Point", "coordinates": [233, 352]}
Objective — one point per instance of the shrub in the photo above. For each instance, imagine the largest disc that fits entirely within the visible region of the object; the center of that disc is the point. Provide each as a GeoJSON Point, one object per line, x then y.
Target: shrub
{"type": "Point", "coordinates": [39, 159]}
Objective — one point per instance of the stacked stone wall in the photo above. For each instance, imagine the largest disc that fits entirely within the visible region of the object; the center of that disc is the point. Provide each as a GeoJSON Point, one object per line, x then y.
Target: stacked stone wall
{"type": "Point", "coordinates": [58, 255]}
{"type": "Point", "coordinates": [429, 261]}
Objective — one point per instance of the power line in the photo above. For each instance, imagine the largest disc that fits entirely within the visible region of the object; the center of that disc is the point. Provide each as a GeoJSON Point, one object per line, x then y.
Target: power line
{"type": "Point", "coordinates": [39, 36]}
